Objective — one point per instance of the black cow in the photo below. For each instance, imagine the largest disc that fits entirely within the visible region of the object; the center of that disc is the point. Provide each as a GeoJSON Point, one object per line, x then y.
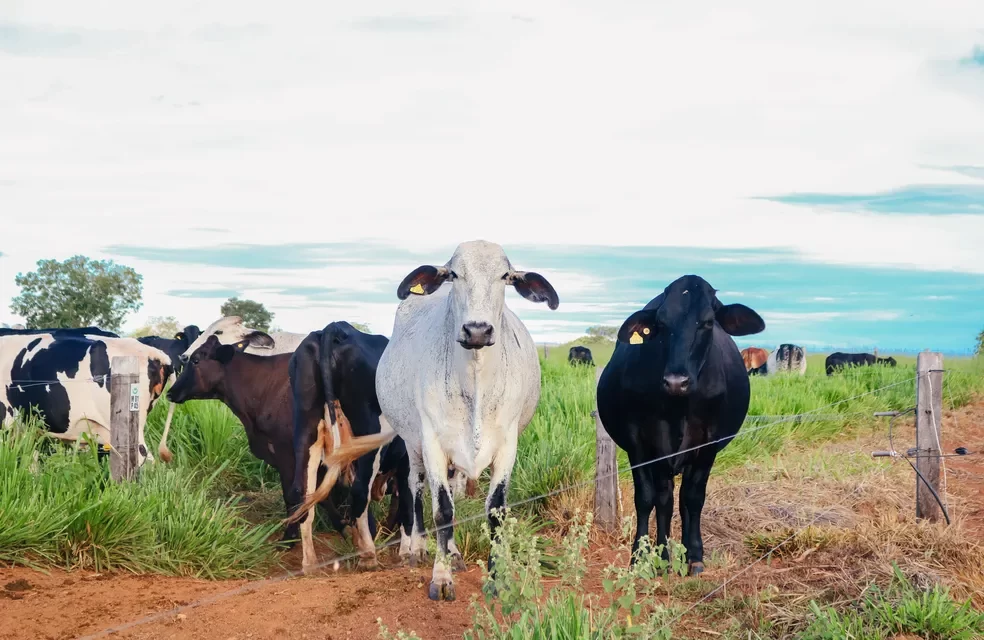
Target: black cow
{"type": "Point", "coordinates": [676, 381]}
{"type": "Point", "coordinates": [175, 346]}
{"type": "Point", "coordinates": [579, 355]}
{"type": "Point", "coordinates": [839, 360]}
{"type": "Point", "coordinates": [335, 370]}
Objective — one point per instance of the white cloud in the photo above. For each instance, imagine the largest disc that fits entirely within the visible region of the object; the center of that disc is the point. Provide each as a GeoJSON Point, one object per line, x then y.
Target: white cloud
{"type": "Point", "coordinates": [561, 122]}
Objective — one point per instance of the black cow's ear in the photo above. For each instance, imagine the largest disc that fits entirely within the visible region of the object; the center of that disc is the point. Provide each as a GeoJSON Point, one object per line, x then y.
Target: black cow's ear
{"type": "Point", "coordinates": [258, 339]}
{"type": "Point", "coordinates": [225, 353]}
{"type": "Point", "coordinates": [639, 328]}
{"type": "Point", "coordinates": [739, 320]}
{"type": "Point", "coordinates": [423, 281]}
{"type": "Point", "coordinates": [533, 287]}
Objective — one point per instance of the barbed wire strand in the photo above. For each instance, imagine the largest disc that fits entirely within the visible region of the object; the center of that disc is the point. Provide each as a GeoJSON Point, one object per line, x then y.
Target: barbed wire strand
{"type": "Point", "coordinates": [25, 384]}
{"type": "Point", "coordinates": [336, 561]}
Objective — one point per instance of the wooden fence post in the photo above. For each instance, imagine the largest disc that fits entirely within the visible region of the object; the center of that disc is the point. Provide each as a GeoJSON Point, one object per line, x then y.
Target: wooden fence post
{"type": "Point", "coordinates": [607, 514]}
{"type": "Point", "coordinates": [546, 351]}
{"type": "Point", "coordinates": [124, 403]}
{"type": "Point", "coordinates": [929, 418]}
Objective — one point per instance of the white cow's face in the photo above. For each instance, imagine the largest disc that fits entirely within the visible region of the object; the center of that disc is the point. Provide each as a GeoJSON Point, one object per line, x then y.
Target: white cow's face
{"type": "Point", "coordinates": [230, 330]}
{"type": "Point", "coordinates": [478, 272]}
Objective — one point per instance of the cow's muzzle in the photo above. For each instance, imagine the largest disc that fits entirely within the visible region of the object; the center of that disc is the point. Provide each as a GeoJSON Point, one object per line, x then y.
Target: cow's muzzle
{"type": "Point", "coordinates": [475, 335]}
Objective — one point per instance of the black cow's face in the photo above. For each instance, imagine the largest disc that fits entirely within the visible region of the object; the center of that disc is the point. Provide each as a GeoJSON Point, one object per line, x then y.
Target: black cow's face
{"type": "Point", "coordinates": [680, 331]}
{"type": "Point", "coordinates": [204, 372]}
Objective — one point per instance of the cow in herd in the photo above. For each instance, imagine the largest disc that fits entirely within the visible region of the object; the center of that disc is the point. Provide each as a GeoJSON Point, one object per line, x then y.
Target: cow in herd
{"type": "Point", "coordinates": [579, 355]}
{"type": "Point", "coordinates": [839, 360]}
{"type": "Point", "coordinates": [443, 399]}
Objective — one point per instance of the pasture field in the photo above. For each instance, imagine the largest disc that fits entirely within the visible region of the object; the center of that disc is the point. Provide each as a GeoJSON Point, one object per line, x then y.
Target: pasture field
{"type": "Point", "coordinates": [863, 568]}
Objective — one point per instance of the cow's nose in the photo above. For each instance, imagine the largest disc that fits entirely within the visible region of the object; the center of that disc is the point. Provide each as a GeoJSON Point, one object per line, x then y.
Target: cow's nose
{"type": "Point", "coordinates": [676, 385]}
{"type": "Point", "coordinates": [475, 335]}
{"type": "Point", "coordinates": [183, 359]}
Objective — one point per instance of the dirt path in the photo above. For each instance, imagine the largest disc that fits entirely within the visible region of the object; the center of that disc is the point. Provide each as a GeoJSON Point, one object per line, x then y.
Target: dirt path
{"type": "Point", "coordinates": [334, 605]}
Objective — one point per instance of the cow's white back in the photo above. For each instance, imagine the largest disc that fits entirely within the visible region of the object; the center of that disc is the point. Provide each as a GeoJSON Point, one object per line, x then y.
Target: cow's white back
{"type": "Point", "coordinates": [230, 330]}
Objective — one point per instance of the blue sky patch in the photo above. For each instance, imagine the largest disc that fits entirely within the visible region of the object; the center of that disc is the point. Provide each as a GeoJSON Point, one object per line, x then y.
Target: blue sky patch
{"type": "Point", "coordinates": [975, 58]}
{"type": "Point", "coordinates": [916, 199]}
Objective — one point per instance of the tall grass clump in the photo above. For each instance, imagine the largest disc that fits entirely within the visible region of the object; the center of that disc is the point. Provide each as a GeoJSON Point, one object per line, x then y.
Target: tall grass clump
{"type": "Point", "coordinates": [63, 509]}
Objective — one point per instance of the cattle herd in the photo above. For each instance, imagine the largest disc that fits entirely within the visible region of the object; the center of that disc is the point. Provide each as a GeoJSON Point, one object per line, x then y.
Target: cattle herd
{"type": "Point", "coordinates": [444, 398]}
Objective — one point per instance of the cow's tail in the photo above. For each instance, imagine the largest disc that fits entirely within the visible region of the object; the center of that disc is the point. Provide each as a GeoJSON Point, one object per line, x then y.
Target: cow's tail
{"type": "Point", "coordinates": [338, 460]}
{"type": "Point", "coordinates": [162, 449]}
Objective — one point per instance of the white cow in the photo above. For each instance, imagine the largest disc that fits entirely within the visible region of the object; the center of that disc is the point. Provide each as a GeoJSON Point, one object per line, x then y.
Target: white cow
{"type": "Point", "coordinates": [786, 358]}
{"type": "Point", "coordinates": [65, 374]}
{"type": "Point", "coordinates": [231, 330]}
{"type": "Point", "coordinates": [459, 381]}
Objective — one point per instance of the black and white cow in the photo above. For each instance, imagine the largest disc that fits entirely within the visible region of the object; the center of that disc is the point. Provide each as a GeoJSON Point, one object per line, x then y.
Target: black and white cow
{"type": "Point", "coordinates": [787, 358]}
{"type": "Point", "coordinates": [175, 346]}
{"type": "Point", "coordinates": [333, 381]}
{"type": "Point", "coordinates": [676, 381]}
{"type": "Point", "coordinates": [65, 374]}
{"type": "Point", "coordinates": [580, 355]}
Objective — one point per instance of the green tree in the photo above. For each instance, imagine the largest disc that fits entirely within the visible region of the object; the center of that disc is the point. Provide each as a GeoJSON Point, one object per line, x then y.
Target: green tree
{"type": "Point", "coordinates": [163, 326]}
{"type": "Point", "coordinates": [361, 326]}
{"type": "Point", "coordinates": [78, 292]}
{"type": "Point", "coordinates": [253, 313]}
{"type": "Point", "coordinates": [980, 343]}
{"type": "Point", "coordinates": [603, 331]}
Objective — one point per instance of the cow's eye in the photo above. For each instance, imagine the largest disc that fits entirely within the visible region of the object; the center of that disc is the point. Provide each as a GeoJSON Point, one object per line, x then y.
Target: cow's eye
{"type": "Point", "coordinates": [454, 276]}
{"type": "Point", "coordinates": [505, 276]}
{"type": "Point", "coordinates": [194, 360]}
{"type": "Point", "coordinates": [218, 333]}
{"type": "Point", "coordinates": [708, 324]}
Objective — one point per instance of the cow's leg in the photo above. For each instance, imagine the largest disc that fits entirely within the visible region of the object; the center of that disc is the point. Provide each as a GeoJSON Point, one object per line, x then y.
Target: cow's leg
{"type": "Point", "coordinates": [645, 499]}
{"type": "Point", "coordinates": [692, 492]}
{"type": "Point", "coordinates": [311, 461]}
{"type": "Point", "coordinates": [502, 468]}
{"type": "Point", "coordinates": [365, 470]}
{"type": "Point", "coordinates": [663, 483]}
{"type": "Point", "coordinates": [413, 544]}
{"type": "Point", "coordinates": [436, 464]}
{"type": "Point", "coordinates": [456, 481]}
{"type": "Point", "coordinates": [291, 531]}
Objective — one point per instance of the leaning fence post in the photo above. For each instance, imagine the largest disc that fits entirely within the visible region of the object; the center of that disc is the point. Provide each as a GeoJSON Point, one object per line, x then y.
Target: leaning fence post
{"type": "Point", "coordinates": [606, 503]}
{"type": "Point", "coordinates": [929, 435]}
{"type": "Point", "coordinates": [124, 403]}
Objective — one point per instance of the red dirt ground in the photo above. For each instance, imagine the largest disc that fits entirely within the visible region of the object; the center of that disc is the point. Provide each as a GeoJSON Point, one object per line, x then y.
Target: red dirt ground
{"type": "Point", "coordinates": [332, 606]}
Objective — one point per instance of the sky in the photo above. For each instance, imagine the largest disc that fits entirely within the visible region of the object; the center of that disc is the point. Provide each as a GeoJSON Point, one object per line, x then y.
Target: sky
{"type": "Point", "coordinates": [822, 163]}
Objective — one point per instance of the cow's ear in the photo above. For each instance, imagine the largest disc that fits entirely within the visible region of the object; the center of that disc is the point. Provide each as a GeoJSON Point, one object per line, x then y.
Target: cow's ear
{"type": "Point", "coordinates": [258, 339]}
{"type": "Point", "coordinates": [638, 328]}
{"type": "Point", "coordinates": [423, 281]}
{"type": "Point", "coordinates": [739, 320]}
{"type": "Point", "coordinates": [225, 353]}
{"type": "Point", "coordinates": [533, 287]}
{"type": "Point", "coordinates": [179, 335]}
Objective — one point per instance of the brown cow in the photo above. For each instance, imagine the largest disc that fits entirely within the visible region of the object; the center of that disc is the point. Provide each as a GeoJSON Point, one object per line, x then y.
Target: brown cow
{"type": "Point", "coordinates": [755, 360]}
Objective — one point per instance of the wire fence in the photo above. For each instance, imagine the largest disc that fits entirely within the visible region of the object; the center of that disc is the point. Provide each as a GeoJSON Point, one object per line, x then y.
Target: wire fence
{"type": "Point", "coordinates": [335, 562]}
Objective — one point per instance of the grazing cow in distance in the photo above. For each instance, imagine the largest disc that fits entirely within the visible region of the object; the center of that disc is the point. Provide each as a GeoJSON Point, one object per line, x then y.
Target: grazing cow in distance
{"type": "Point", "coordinates": [676, 382]}
{"type": "Point", "coordinates": [175, 346]}
{"type": "Point", "coordinates": [333, 382]}
{"type": "Point", "coordinates": [579, 355]}
{"type": "Point", "coordinates": [839, 360]}
{"type": "Point", "coordinates": [65, 374]}
{"type": "Point", "coordinates": [230, 330]}
{"type": "Point", "coordinates": [787, 358]}
{"type": "Point", "coordinates": [755, 359]}
{"type": "Point", "coordinates": [257, 391]}
{"type": "Point", "coordinates": [459, 381]}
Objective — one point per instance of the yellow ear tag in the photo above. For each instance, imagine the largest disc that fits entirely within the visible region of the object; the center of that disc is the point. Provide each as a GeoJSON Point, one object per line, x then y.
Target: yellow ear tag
{"type": "Point", "coordinates": [645, 330]}
{"type": "Point", "coordinates": [107, 447]}
{"type": "Point", "coordinates": [241, 345]}
{"type": "Point", "coordinates": [419, 290]}
{"type": "Point", "coordinates": [635, 338]}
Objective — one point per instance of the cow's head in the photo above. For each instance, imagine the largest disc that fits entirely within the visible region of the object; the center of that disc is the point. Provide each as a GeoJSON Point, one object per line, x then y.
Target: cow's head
{"type": "Point", "coordinates": [188, 336]}
{"type": "Point", "coordinates": [890, 361]}
{"type": "Point", "coordinates": [478, 272]}
{"type": "Point", "coordinates": [679, 332]}
{"type": "Point", "coordinates": [203, 376]}
{"type": "Point", "coordinates": [229, 330]}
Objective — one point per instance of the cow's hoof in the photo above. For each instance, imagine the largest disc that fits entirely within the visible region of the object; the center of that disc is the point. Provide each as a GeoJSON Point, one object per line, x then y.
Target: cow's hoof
{"type": "Point", "coordinates": [457, 562]}
{"type": "Point", "coordinates": [443, 591]}
{"type": "Point", "coordinates": [368, 564]}
{"type": "Point", "coordinates": [696, 568]}
{"type": "Point", "coordinates": [415, 559]}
